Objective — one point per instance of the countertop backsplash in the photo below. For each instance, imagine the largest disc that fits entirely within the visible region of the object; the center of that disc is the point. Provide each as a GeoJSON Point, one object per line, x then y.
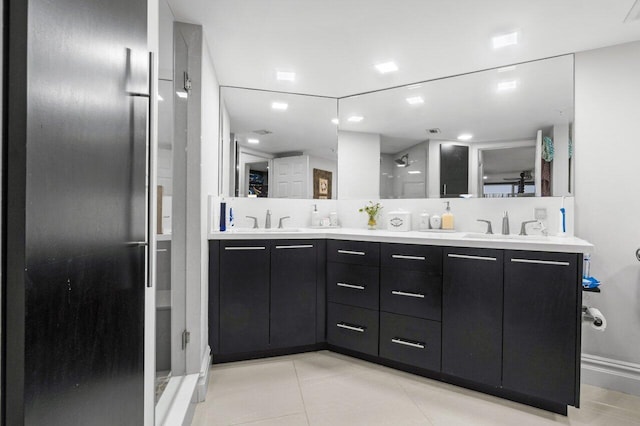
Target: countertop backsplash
{"type": "Point", "coordinates": [465, 211]}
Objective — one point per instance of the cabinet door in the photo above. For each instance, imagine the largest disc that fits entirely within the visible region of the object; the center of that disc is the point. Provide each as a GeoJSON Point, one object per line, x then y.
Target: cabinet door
{"type": "Point", "coordinates": [472, 314]}
{"type": "Point", "coordinates": [293, 293]}
{"type": "Point", "coordinates": [244, 296]}
{"type": "Point", "coordinates": [541, 324]}
{"type": "Point", "coordinates": [454, 170]}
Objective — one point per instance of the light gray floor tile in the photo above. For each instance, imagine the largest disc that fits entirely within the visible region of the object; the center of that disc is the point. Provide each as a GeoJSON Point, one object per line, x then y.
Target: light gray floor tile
{"type": "Point", "coordinates": [325, 388]}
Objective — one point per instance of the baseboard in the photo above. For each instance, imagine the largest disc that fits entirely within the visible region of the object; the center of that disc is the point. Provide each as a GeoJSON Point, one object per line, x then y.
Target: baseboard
{"type": "Point", "coordinates": [203, 378]}
{"type": "Point", "coordinates": [611, 374]}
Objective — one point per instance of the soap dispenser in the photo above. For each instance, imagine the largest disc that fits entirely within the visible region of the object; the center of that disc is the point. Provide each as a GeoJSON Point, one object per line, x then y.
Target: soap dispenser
{"type": "Point", "coordinates": [315, 216]}
{"type": "Point", "coordinates": [447, 218]}
{"type": "Point", "coordinates": [424, 221]}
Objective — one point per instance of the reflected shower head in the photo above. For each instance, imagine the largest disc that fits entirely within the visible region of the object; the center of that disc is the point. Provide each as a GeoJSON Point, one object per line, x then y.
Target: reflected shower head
{"type": "Point", "coordinates": [402, 161]}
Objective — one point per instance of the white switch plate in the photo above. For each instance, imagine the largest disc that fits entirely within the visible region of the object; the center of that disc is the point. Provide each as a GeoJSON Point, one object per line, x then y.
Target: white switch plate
{"type": "Point", "coordinates": [540, 213]}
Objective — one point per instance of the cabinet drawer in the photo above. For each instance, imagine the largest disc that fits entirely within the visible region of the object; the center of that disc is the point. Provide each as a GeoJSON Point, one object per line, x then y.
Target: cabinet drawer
{"type": "Point", "coordinates": [353, 252]}
{"type": "Point", "coordinates": [355, 285]}
{"type": "Point", "coordinates": [413, 257]}
{"type": "Point", "coordinates": [412, 341]}
{"type": "Point", "coordinates": [412, 293]}
{"type": "Point", "coordinates": [352, 328]}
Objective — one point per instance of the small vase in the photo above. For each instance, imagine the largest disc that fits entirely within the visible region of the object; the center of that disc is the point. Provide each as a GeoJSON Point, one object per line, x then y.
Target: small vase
{"type": "Point", "coordinates": [372, 223]}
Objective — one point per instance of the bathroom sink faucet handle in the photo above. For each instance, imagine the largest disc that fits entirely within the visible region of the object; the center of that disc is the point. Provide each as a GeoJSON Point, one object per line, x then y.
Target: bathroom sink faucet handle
{"type": "Point", "coordinates": [255, 221]}
{"type": "Point", "coordinates": [488, 222]}
{"type": "Point", "coordinates": [280, 221]}
{"type": "Point", "coordinates": [523, 227]}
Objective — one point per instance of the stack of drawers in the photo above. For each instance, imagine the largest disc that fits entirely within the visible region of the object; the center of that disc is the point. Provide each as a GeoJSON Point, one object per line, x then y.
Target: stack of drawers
{"type": "Point", "coordinates": [411, 304]}
{"type": "Point", "coordinates": [353, 288]}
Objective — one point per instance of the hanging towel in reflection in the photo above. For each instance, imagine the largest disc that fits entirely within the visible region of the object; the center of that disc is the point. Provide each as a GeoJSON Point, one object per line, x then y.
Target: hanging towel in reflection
{"type": "Point", "coordinates": [545, 178]}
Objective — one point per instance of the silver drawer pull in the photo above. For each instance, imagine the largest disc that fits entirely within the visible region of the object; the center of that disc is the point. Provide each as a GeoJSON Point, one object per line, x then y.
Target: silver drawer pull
{"type": "Point", "coordinates": [541, 262]}
{"type": "Point", "coordinates": [405, 343]}
{"type": "Point", "coordinates": [404, 256]}
{"type": "Point", "coordinates": [357, 253]}
{"type": "Point", "coordinates": [301, 246]}
{"type": "Point", "coordinates": [161, 250]}
{"type": "Point", "coordinates": [402, 293]}
{"type": "Point", "coordinates": [467, 256]}
{"type": "Point", "coordinates": [350, 327]}
{"type": "Point", "coordinates": [245, 248]}
{"type": "Point", "coordinates": [357, 287]}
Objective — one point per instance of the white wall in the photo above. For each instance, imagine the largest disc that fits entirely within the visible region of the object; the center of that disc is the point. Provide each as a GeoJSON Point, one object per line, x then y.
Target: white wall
{"type": "Point", "coordinates": [607, 158]}
{"type": "Point", "coordinates": [209, 168]}
{"type": "Point", "coordinates": [358, 165]}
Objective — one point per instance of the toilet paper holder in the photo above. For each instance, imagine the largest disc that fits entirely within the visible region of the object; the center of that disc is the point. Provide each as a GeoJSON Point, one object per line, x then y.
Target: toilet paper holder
{"type": "Point", "coordinates": [594, 316]}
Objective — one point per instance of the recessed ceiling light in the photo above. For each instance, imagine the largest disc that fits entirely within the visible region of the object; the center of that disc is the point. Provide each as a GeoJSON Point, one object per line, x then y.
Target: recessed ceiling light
{"type": "Point", "coordinates": [507, 69]}
{"type": "Point", "coordinates": [386, 67]}
{"type": "Point", "coordinates": [465, 136]}
{"type": "Point", "coordinates": [484, 177]}
{"type": "Point", "coordinates": [286, 75]}
{"type": "Point", "coordinates": [505, 40]}
{"type": "Point", "coordinates": [414, 172]}
{"type": "Point", "coordinates": [280, 106]}
{"type": "Point", "coordinates": [182, 95]}
{"type": "Point", "coordinates": [335, 121]}
{"type": "Point", "coordinates": [355, 119]}
{"type": "Point", "coordinates": [253, 141]}
{"type": "Point", "coordinates": [507, 85]}
{"type": "Point", "coordinates": [414, 100]}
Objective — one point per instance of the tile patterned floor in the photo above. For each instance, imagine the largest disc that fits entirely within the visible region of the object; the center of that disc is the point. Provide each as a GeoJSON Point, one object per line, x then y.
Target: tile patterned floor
{"type": "Point", "coordinates": [325, 388]}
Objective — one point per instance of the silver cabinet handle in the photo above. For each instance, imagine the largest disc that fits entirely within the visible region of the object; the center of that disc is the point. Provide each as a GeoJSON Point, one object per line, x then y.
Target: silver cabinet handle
{"type": "Point", "coordinates": [467, 256]}
{"type": "Point", "coordinates": [301, 246]}
{"type": "Point", "coordinates": [350, 327]}
{"type": "Point", "coordinates": [161, 250]}
{"type": "Point", "coordinates": [354, 286]}
{"type": "Point", "coordinates": [245, 248]}
{"type": "Point", "coordinates": [402, 293]}
{"type": "Point", "coordinates": [403, 256]}
{"type": "Point", "coordinates": [541, 262]}
{"type": "Point", "coordinates": [406, 343]}
{"type": "Point", "coordinates": [357, 253]}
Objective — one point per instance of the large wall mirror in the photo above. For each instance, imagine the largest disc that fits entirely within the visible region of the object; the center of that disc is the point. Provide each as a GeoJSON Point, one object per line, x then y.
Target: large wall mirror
{"type": "Point", "coordinates": [278, 145]}
{"type": "Point", "coordinates": [504, 132]}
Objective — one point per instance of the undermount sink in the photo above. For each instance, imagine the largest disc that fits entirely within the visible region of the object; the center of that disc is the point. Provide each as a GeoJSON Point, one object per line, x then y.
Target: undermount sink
{"type": "Point", "coordinates": [263, 230]}
{"type": "Point", "coordinates": [481, 236]}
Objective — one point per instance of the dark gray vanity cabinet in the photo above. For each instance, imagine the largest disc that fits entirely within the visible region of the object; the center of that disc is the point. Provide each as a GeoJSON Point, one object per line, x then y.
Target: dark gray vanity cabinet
{"type": "Point", "coordinates": [411, 304]}
{"type": "Point", "coordinates": [472, 314]}
{"type": "Point", "coordinates": [293, 293]}
{"type": "Point", "coordinates": [353, 295]}
{"type": "Point", "coordinates": [244, 296]}
{"type": "Point", "coordinates": [542, 301]}
{"type": "Point", "coordinates": [265, 296]}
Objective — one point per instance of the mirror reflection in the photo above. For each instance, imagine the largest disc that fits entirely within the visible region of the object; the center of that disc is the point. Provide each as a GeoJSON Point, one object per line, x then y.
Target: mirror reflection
{"type": "Point", "coordinates": [282, 145]}
{"type": "Point", "coordinates": [503, 132]}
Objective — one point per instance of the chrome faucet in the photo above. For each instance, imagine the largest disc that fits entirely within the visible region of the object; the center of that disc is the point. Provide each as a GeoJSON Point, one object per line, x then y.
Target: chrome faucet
{"type": "Point", "coordinates": [488, 222]}
{"type": "Point", "coordinates": [267, 221]}
{"type": "Point", "coordinates": [281, 219]}
{"type": "Point", "coordinates": [523, 227]}
{"type": "Point", "coordinates": [255, 221]}
{"type": "Point", "coordinates": [505, 223]}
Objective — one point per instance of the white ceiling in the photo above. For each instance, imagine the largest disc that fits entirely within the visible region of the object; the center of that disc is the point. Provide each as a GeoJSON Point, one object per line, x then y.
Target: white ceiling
{"type": "Point", "coordinates": [332, 45]}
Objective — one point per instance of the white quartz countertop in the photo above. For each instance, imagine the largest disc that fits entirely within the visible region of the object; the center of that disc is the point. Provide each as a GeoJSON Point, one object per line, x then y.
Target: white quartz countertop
{"type": "Point", "coordinates": [564, 244]}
